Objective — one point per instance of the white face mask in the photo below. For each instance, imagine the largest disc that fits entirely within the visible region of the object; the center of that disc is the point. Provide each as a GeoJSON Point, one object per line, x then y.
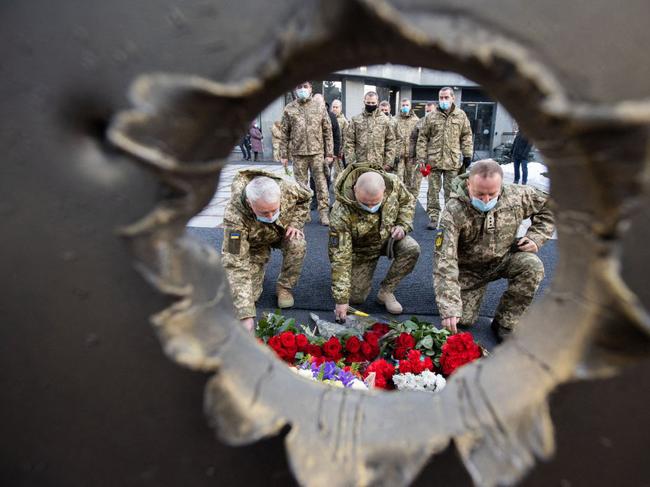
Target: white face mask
{"type": "Point", "coordinates": [370, 209]}
{"type": "Point", "coordinates": [271, 219]}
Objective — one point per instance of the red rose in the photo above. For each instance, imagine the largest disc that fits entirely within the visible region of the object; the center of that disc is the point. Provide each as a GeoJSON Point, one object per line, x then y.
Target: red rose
{"type": "Point", "coordinates": [274, 343]}
{"type": "Point", "coordinates": [353, 344]}
{"type": "Point", "coordinates": [355, 357]}
{"type": "Point", "coordinates": [332, 349]}
{"type": "Point", "coordinates": [318, 360]}
{"type": "Point", "coordinates": [302, 342]}
{"type": "Point", "coordinates": [374, 352]}
{"type": "Point", "coordinates": [457, 351]}
{"type": "Point", "coordinates": [366, 350]}
{"type": "Point", "coordinates": [380, 328]}
{"type": "Point", "coordinates": [405, 340]}
{"type": "Point", "coordinates": [314, 350]}
{"type": "Point", "coordinates": [400, 353]}
{"type": "Point", "coordinates": [405, 367]}
{"type": "Point", "coordinates": [372, 338]}
{"type": "Point", "coordinates": [288, 339]}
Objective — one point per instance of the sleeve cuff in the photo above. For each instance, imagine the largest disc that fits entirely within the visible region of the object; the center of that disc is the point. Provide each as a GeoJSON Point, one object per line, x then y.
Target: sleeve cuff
{"type": "Point", "coordinates": [248, 312]}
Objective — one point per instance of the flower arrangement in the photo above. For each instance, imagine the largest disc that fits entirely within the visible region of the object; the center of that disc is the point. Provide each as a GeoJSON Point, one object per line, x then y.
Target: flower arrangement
{"type": "Point", "coordinates": [411, 355]}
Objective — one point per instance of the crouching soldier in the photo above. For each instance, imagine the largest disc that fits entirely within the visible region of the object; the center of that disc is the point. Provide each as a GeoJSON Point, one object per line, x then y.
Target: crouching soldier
{"type": "Point", "coordinates": [476, 244]}
{"type": "Point", "coordinates": [264, 212]}
{"type": "Point", "coordinates": [371, 216]}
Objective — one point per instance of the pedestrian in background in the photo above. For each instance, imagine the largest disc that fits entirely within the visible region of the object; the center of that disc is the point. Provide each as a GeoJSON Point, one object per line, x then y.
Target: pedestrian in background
{"type": "Point", "coordinates": [256, 140]}
{"type": "Point", "coordinates": [245, 147]}
{"type": "Point", "coordinates": [520, 150]}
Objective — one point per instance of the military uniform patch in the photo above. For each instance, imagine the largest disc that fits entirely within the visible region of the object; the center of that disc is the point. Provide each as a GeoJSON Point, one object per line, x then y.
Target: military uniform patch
{"type": "Point", "coordinates": [440, 237]}
{"type": "Point", "coordinates": [234, 242]}
{"type": "Point", "coordinates": [334, 239]}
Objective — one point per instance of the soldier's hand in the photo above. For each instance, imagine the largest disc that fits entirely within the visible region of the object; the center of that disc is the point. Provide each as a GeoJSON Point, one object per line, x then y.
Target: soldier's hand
{"type": "Point", "coordinates": [248, 323]}
{"type": "Point", "coordinates": [387, 167]}
{"type": "Point", "coordinates": [397, 233]}
{"type": "Point", "coordinates": [450, 324]}
{"type": "Point", "coordinates": [285, 162]}
{"type": "Point", "coordinates": [292, 233]}
{"type": "Point", "coordinates": [341, 312]}
{"type": "Point", "coordinates": [329, 160]}
{"type": "Point", "coordinates": [527, 245]}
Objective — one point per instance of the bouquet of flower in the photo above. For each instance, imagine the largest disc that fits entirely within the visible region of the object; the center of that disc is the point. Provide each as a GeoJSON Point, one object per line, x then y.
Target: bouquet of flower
{"type": "Point", "coordinates": [425, 169]}
{"type": "Point", "coordinates": [424, 381]}
{"type": "Point", "coordinates": [458, 350]}
{"type": "Point", "coordinates": [330, 373]}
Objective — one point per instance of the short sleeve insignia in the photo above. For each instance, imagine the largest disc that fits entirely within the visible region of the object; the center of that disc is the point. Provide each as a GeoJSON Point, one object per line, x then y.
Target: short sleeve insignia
{"type": "Point", "coordinates": [234, 241]}
{"type": "Point", "coordinates": [440, 238]}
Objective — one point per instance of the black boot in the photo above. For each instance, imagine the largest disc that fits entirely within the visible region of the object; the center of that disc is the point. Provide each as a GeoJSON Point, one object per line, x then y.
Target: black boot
{"type": "Point", "coordinates": [500, 332]}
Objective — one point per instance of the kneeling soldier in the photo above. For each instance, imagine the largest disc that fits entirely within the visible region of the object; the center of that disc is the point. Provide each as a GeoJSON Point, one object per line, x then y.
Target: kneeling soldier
{"type": "Point", "coordinates": [476, 244]}
{"type": "Point", "coordinates": [371, 216]}
{"type": "Point", "coordinates": [264, 212]}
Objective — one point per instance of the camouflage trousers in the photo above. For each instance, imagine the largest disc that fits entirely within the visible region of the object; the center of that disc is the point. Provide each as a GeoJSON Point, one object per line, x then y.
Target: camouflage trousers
{"type": "Point", "coordinates": [524, 272]}
{"type": "Point", "coordinates": [438, 179]}
{"type": "Point", "coordinates": [315, 164]}
{"type": "Point", "coordinates": [412, 178]}
{"type": "Point", "coordinates": [337, 167]}
{"type": "Point", "coordinates": [293, 256]}
{"type": "Point", "coordinates": [400, 168]}
{"type": "Point", "coordinates": [407, 252]}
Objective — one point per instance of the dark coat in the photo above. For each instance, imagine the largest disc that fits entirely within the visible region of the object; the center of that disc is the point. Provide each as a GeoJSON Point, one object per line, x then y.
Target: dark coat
{"type": "Point", "coordinates": [521, 148]}
{"type": "Point", "coordinates": [336, 132]}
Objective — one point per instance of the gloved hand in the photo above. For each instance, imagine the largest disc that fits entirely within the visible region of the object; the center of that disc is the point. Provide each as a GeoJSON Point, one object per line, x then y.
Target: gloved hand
{"type": "Point", "coordinates": [466, 161]}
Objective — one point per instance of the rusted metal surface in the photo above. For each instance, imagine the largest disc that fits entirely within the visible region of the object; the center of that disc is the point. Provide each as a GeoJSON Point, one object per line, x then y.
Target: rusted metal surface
{"type": "Point", "coordinates": [592, 126]}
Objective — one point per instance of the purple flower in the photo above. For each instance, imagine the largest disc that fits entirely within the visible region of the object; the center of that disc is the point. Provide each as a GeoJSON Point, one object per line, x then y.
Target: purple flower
{"type": "Point", "coordinates": [330, 370]}
{"type": "Point", "coordinates": [346, 378]}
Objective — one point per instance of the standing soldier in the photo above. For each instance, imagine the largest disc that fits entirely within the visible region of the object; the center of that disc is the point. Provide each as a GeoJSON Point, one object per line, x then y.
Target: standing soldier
{"type": "Point", "coordinates": [444, 135]}
{"type": "Point", "coordinates": [264, 212]}
{"type": "Point", "coordinates": [476, 244]}
{"type": "Point", "coordinates": [307, 137]}
{"type": "Point", "coordinates": [412, 175]}
{"type": "Point", "coordinates": [404, 125]}
{"type": "Point", "coordinates": [343, 125]}
{"type": "Point", "coordinates": [276, 136]}
{"type": "Point", "coordinates": [384, 106]}
{"type": "Point", "coordinates": [370, 139]}
{"type": "Point", "coordinates": [371, 216]}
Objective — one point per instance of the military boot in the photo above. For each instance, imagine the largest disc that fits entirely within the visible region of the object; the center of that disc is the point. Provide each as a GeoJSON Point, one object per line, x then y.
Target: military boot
{"type": "Point", "coordinates": [324, 218]}
{"type": "Point", "coordinates": [285, 298]}
{"type": "Point", "coordinates": [388, 300]}
{"type": "Point", "coordinates": [500, 332]}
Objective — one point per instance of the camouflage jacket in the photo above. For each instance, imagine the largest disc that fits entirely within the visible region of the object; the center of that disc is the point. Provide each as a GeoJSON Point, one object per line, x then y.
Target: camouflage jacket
{"type": "Point", "coordinates": [306, 130]}
{"type": "Point", "coordinates": [370, 139]}
{"type": "Point", "coordinates": [276, 134]}
{"type": "Point", "coordinates": [404, 125]}
{"type": "Point", "coordinates": [356, 232]}
{"type": "Point", "coordinates": [244, 235]}
{"type": "Point", "coordinates": [476, 241]}
{"type": "Point", "coordinates": [443, 137]}
{"type": "Point", "coordinates": [343, 125]}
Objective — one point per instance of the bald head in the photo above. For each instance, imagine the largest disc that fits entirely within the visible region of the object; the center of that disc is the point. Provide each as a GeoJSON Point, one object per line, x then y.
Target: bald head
{"type": "Point", "coordinates": [369, 188]}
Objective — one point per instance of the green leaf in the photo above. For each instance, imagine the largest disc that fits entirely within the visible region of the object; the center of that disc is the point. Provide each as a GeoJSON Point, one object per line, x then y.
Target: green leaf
{"type": "Point", "coordinates": [426, 342]}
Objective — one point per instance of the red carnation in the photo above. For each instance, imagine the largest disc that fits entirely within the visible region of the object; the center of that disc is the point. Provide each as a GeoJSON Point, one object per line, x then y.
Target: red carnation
{"type": "Point", "coordinates": [353, 344]}
{"type": "Point", "coordinates": [405, 367]}
{"type": "Point", "coordinates": [355, 357]}
{"type": "Point", "coordinates": [428, 363]}
{"type": "Point", "coordinates": [288, 339]}
{"type": "Point", "coordinates": [400, 353]}
{"type": "Point", "coordinates": [302, 342]}
{"type": "Point", "coordinates": [457, 351]}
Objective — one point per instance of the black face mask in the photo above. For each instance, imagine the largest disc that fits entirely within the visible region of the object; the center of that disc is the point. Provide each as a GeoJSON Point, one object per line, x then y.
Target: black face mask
{"type": "Point", "coordinates": [371, 108]}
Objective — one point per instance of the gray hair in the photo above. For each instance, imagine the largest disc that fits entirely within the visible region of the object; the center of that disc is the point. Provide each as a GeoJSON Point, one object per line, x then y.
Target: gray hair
{"type": "Point", "coordinates": [337, 101]}
{"type": "Point", "coordinates": [485, 168]}
{"type": "Point", "coordinates": [447, 88]}
{"type": "Point", "coordinates": [371, 183]}
{"type": "Point", "coordinates": [263, 188]}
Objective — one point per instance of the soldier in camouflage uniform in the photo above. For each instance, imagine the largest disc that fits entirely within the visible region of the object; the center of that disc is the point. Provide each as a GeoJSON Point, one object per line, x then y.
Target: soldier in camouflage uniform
{"type": "Point", "coordinates": [476, 244]}
{"type": "Point", "coordinates": [276, 135]}
{"type": "Point", "coordinates": [369, 138]}
{"type": "Point", "coordinates": [307, 138]}
{"type": "Point", "coordinates": [371, 216]}
{"type": "Point", "coordinates": [264, 212]}
{"type": "Point", "coordinates": [412, 174]}
{"type": "Point", "coordinates": [384, 106]}
{"type": "Point", "coordinates": [343, 125]}
{"type": "Point", "coordinates": [404, 125]}
{"type": "Point", "coordinates": [444, 135]}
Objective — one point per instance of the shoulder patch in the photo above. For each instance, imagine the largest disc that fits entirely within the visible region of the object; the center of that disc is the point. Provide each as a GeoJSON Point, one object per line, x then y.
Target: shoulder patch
{"type": "Point", "coordinates": [334, 239]}
{"type": "Point", "coordinates": [234, 241]}
{"type": "Point", "coordinates": [440, 238]}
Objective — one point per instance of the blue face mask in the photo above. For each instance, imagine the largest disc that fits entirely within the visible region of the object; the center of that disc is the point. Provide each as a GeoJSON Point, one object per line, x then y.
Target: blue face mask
{"type": "Point", "coordinates": [272, 219]}
{"type": "Point", "coordinates": [302, 93]}
{"type": "Point", "coordinates": [484, 207]}
{"type": "Point", "coordinates": [405, 110]}
{"type": "Point", "coordinates": [370, 209]}
{"type": "Point", "coordinates": [444, 105]}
